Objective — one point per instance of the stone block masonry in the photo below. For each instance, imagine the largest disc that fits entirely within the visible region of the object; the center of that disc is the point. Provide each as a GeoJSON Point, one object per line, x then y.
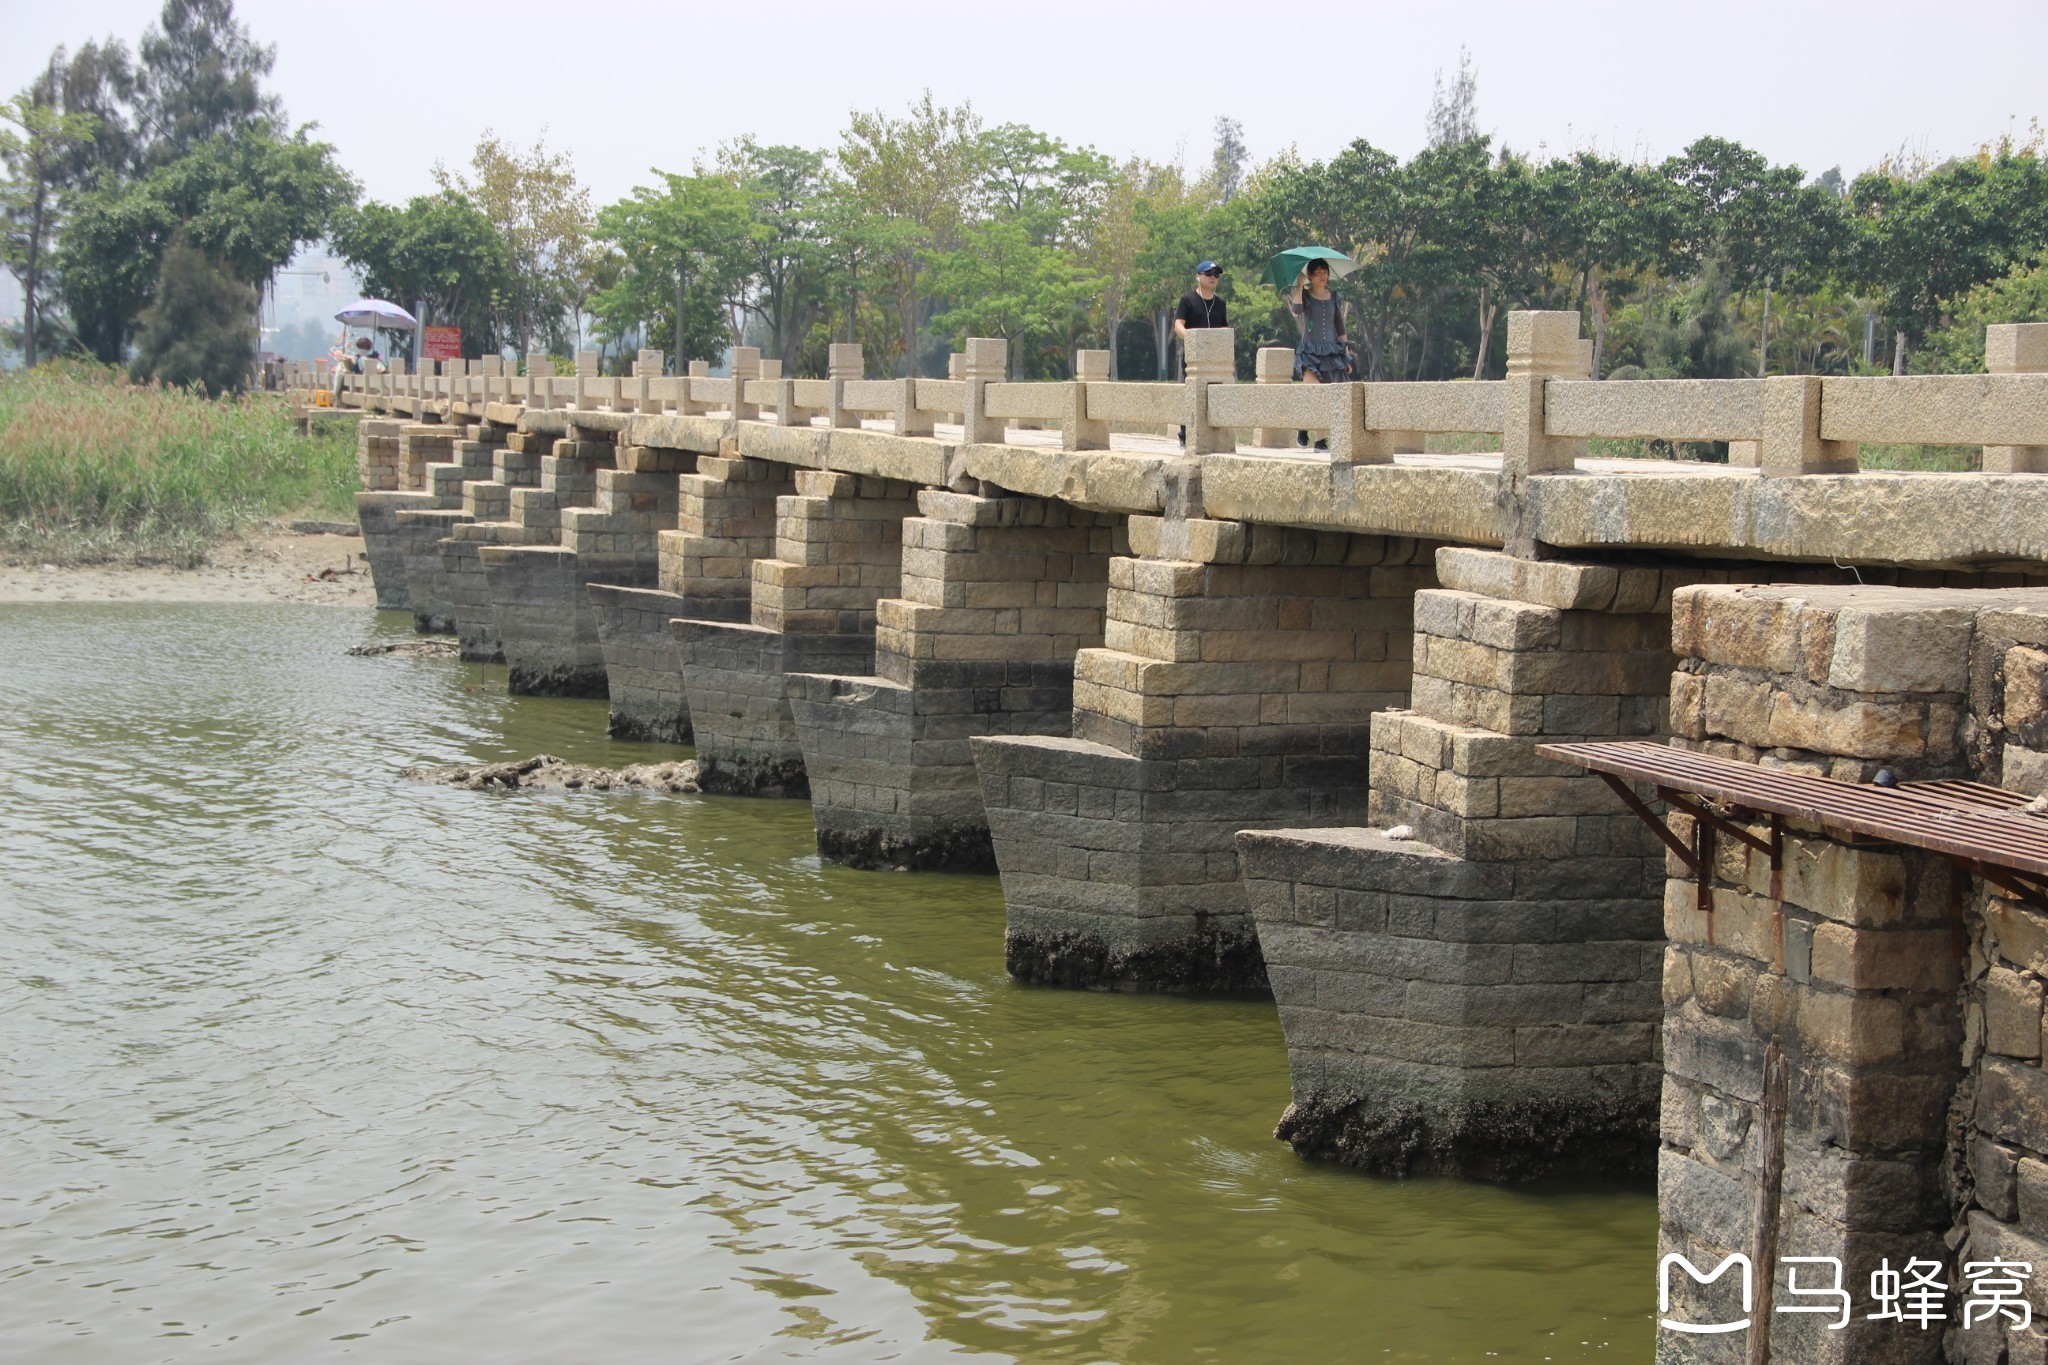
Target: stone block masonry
{"type": "Point", "coordinates": [1239, 668]}
{"type": "Point", "coordinates": [553, 646]}
{"type": "Point", "coordinates": [430, 587]}
{"type": "Point", "coordinates": [377, 455]}
{"type": "Point", "coordinates": [999, 593]}
{"type": "Point", "coordinates": [391, 459]}
{"type": "Point", "coordinates": [377, 517]}
{"type": "Point", "coordinates": [837, 552]}
{"type": "Point", "coordinates": [643, 662]}
{"type": "Point", "coordinates": [514, 465]}
{"type": "Point", "coordinates": [1904, 993]}
{"type": "Point", "coordinates": [725, 521]}
{"type": "Point", "coordinates": [1480, 999]}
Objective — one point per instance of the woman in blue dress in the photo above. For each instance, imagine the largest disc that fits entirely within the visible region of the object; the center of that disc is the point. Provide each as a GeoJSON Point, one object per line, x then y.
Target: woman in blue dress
{"type": "Point", "coordinates": [1321, 357]}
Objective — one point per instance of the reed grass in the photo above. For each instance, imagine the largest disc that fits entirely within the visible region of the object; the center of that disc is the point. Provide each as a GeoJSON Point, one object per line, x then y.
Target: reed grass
{"type": "Point", "coordinates": [94, 469]}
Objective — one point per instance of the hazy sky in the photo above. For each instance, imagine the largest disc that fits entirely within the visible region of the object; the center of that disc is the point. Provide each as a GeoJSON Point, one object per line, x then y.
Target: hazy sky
{"type": "Point", "coordinates": [628, 86]}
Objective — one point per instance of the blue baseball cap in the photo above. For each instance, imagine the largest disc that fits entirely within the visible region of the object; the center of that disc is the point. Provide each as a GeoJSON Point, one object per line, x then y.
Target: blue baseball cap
{"type": "Point", "coordinates": [1208, 268]}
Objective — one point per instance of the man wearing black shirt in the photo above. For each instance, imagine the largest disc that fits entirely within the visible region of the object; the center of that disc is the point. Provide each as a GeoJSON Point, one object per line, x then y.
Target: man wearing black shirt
{"type": "Point", "coordinates": [1200, 307]}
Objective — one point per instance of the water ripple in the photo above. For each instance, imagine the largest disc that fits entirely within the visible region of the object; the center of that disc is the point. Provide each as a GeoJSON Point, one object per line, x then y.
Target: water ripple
{"type": "Point", "coordinates": [305, 1062]}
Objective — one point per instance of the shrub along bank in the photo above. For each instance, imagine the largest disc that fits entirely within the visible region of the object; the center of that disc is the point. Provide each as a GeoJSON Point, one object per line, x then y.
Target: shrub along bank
{"type": "Point", "coordinates": [93, 468]}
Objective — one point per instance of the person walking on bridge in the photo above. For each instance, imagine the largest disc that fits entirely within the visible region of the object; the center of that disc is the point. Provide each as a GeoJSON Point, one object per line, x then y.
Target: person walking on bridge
{"type": "Point", "coordinates": [1199, 307]}
{"type": "Point", "coordinates": [1323, 355]}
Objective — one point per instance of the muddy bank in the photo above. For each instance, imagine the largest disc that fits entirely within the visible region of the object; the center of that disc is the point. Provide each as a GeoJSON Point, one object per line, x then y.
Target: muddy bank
{"type": "Point", "coordinates": [278, 565]}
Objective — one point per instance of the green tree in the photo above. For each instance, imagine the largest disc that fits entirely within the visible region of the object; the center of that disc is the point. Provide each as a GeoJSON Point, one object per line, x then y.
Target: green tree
{"type": "Point", "coordinates": [786, 190]}
{"type": "Point", "coordinates": [439, 250]}
{"type": "Point", "coordinates": [107, 262]}
{"type": "Point", "coordinates": [543, 213]}
{"type": "Point", "coordinates": [200, 79]}
{"type": "Point", "coordinates": [1928, 239]}
{"type": "Point", "coordinates": [2021, 295]}
{"type": "Point", "coordinates": [1112, 240]}
{"type": "Point", "coordinates": [196, 332]}
{"type": "Point", "coordinates": [913, 172]}
{"type": "Point", "coordinates": [695, 235]}
{"type": "Point", "coordinates": [38, 150]}
{"type": "Point", "coordinates": [251, 199]}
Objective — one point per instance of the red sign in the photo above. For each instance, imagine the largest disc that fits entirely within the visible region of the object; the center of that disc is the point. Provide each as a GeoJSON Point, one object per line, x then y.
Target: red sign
{"type": "Point", "coordinates": [441, 343]}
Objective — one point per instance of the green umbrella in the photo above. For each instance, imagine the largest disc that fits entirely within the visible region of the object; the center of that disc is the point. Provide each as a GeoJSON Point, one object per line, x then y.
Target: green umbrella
{"type": "Point", "coordinates": [1284, 269]}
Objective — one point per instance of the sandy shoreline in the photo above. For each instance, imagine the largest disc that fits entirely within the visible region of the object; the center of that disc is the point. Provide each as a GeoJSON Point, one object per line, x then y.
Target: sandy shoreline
{"type": "Point", "coordinates": [270, 566]}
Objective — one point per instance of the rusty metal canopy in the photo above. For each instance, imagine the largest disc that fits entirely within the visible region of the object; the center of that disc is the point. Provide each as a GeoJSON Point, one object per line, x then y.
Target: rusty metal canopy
{"type": "Point", "coordinates": [1982, 827]}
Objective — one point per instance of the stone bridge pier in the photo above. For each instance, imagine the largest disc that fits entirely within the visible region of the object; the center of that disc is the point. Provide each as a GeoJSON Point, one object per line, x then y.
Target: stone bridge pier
{"type": "Point", "coordinates": [1480, 996]}
{"type": "Point", "coordinates": [1239, 666]}
{"type": "Point", "coordinates": [540, 593]}
{"type": "Point", "coordinates": [422, 531]}
{"type": "Point", "coordinates": [998, 595]}
{"type": "Point", "coordinates": [392, 460]}
{"type": "Point", "coordinates": [514, 465]}
{"type": "Point", "coordinates": [811, 609]}
{"type": "Point", "coordinates": [725, 520]}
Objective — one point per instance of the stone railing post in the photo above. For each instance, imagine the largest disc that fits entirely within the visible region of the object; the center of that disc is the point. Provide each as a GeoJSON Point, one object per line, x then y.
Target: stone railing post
{"type": "Point", "coordinates": [842, 362]}
{"type": "Point", "coordinates": [1077, 430]}
{"type": "Point", "coordinates": [746, 366]}
{"type": "Point", "coordinates": [986, 361]}
{"type": "Point", "coordinates": [1273, 365]}
{"type": "Point", "coordinates": [688, 402]}
{"type": "Point", "coordinates": [1541, 347]}
{"type": "Point", "coordinates": [1211, 355]}
{"type": "Point", "coordinates": [586, 364]}
{"type": "Point", "coordinates": [953, 372]}
{"type": "Point", "coordinates": [1792, 445]}
{"type": "Point", "coordinates": [2016, 348]}
{"type": "Point", "coordinates": [909, 421]}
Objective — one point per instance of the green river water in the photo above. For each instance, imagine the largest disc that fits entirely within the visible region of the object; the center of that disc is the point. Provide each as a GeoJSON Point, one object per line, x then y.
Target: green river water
{"type": "Point", "coordinates": [302, 1061]}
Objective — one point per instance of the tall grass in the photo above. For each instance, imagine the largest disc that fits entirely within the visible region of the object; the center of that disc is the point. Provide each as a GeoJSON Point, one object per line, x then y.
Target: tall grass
{"type": "Point", "coordinates": [93, 468]}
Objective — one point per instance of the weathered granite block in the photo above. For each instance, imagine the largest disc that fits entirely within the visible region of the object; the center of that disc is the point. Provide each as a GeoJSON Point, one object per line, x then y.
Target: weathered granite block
{"type": "Point", "coordinates": [891, 772]}
{"type": "Point", "coordinates": [1120, 872]}
{"type": "Point", "coordinates": [540, 600]}
{"type": "Point", "coordinates": [1459, 1018]}
{"type": "Point", "coordinates": [998, 594]}
{"type": "Point", "coordinates": [643, 662]}
{"type": "Point", "coordinates": [735, 675]}
{"type": "Point", "coordinates": [419, 535]}
{"type": "Point", "coordinates": [377, 515]}
{"type": "Point", "coordinates": [1239, 671]}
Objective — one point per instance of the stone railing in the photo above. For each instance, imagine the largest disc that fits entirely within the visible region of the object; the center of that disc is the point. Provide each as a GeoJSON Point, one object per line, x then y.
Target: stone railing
{"type": "Point", "coordinates": [1545, 410]}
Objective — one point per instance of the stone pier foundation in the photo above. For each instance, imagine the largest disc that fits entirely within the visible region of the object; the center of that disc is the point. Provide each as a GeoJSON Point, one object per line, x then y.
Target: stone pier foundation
{"type": "Point", "coordinates": [1849, 953]}
{"type": "Point", "coordinates": [1239, 670]}
{"type": "Point", "coordinates": [999, 594]}
{"type": "Point", "coordinates": [1479, 996]}
{"type": "Point", "coordinates": [643, 662]}
{"type": "Point", "coordinates": [838, 550]}
{"type": "Point", "coordinates": [399, 486]}
{"type": "Point", "coordinates": [514, 465]}
{"type": "Point", "coordinates": [377, 454]}
{"type": "Point", "coordinates": [430, 587]}
{"type": "Point", "coordinates": [540, 593]}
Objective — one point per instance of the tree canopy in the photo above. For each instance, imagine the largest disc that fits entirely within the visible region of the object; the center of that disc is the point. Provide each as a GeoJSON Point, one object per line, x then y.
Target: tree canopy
{"type": "Point", "coordinates": [924, 225]}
